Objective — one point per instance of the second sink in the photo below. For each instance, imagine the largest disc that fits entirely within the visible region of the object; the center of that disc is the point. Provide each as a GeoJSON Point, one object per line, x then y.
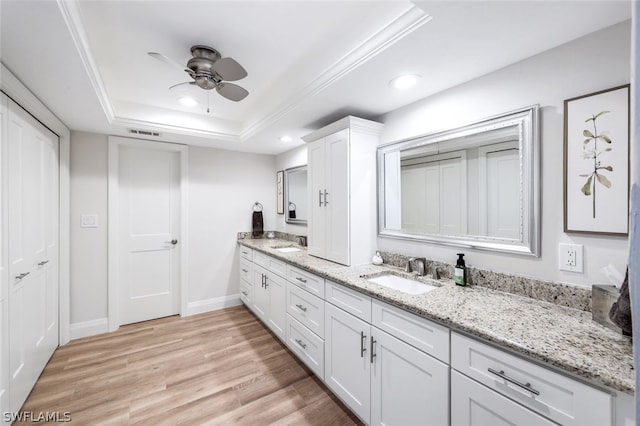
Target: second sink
{"type": "Point", "coordinates": [402, 284]}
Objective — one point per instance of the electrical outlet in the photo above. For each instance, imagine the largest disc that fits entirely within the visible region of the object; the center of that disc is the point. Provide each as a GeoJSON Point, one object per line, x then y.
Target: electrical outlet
{"type": "Point", "coordinates": [571, 257]}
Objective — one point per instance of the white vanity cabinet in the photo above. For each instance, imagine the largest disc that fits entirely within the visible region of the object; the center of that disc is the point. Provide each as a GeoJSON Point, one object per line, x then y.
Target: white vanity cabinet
{"type": "Point", "coordinates": [246, 276]}
{"type": "Point", "coordinates": [509, 388]}
{"type": "Point", "coordinates": [305, 318]}
{"type": "Point", "coordinates": [341, 190]}
{"type": "Point", "coordinates": [269, 297]}
{"type": "Point", "coordinates": [382, 377]}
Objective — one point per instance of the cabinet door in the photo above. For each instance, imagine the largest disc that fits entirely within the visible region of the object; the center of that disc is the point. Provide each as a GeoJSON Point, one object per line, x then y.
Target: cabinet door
{"type": "Point", "coordinates": [277, 299]}
{"type": "Point", "coordinates": [407, 386]}
{"type": "Point", "coordinates": [260, 301]}
{"type": "Point", "coordinates": [347, 364]}
{"type": "Point", "coordinates": [475, 404]}
{"type": "Point", "coordinates": [315, 197]}
{"type": "Point", "coordinates": [336, 198]}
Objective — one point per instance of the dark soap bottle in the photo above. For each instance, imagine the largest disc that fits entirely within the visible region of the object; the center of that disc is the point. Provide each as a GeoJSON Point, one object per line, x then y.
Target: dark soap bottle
{"type": "Point", "coordinates": [460, 271]}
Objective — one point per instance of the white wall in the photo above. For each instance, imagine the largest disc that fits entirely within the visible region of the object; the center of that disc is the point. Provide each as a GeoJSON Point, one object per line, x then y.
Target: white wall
{"type": "Point", "coordinates": [292, 158]}
{"type": "Point", "coordinates": [595, 62]}
{"type": "Point", "coordinates": [88, 281]}
{"type": "Point", "coordinates": [223, 186]}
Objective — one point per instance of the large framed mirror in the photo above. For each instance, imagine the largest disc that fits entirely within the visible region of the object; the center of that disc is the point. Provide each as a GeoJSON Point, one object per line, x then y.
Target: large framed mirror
{"type": "Point", "coordinates": [476, 186]}
{"type": "Point", "coordinates": [295, 195]}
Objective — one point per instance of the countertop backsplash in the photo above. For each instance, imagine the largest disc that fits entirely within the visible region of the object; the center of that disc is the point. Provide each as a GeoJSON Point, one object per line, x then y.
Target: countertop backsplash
{"type": "Point", "coordinates": [566, 295]}
{"type": "Point", "coordinates": [560, 294]}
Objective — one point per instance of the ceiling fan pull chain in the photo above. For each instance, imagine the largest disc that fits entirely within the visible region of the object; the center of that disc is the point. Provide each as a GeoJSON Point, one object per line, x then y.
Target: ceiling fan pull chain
{"type": "Point", "coordinates": [208, 97]}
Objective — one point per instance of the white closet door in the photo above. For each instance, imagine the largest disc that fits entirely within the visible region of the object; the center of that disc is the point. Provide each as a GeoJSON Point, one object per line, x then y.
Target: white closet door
{"type": "Point", "coordinates": [4, 296]}
{"type": "Point", "coordinates": [33, 240]}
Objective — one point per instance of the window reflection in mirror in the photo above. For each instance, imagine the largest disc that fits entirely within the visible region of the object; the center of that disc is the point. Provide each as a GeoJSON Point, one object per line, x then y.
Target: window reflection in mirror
{"type": "Point", "coordinates": [295, 201]}
{"type": "Point", "coordinates": [473, 186]}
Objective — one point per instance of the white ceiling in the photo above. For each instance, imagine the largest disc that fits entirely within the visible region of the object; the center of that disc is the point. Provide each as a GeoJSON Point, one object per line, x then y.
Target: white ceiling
{"type": "Point", "coordinates": [309, 62]}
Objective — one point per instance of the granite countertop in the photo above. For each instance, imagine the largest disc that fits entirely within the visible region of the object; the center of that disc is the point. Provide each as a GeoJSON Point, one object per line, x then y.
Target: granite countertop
{"type": "Point", "coordinates": [561, 337]}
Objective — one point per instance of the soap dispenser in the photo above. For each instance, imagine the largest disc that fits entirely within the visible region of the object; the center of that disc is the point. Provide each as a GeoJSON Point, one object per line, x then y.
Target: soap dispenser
{"type": "Point", "coordinates": [377, 259]}
{"type": "Point", "coordinates": [460, 271]}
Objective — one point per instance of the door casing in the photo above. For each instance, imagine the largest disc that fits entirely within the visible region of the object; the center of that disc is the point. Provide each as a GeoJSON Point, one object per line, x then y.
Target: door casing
{"type": "Point", "coordinates": [115, 142]}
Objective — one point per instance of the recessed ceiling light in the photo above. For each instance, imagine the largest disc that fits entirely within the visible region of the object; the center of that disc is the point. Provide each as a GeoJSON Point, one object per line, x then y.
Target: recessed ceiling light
{"type": "Point", "coordinates": [187, 101]}
{"type": "Point", "coordinates": [404, 81]}
{"type": "Point", "coordinates": [285, 139]}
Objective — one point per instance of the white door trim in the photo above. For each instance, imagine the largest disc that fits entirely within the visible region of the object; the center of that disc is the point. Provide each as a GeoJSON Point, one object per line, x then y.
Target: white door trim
{"type": "Point", "coordinates": [13, 88]}
{"type": "Point", "coordinates": [115, 142]}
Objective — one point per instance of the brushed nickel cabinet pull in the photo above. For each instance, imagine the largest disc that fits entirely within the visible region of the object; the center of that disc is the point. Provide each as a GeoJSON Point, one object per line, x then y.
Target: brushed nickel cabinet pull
{"type": "Point", "coordinates": [372, 353]}
{"type": "Point", "coordinates": [363, 349]}
{"type": "Point", "coordinates": [525, 386]}
{"type": "Point", "coordinates": [44, 262]}
{"type": "Point", "coordinates": [301, 343]}
{"type": "Point", "coordinates": [22, 275]}
{"type": "Point", "coordinates": [245, 293]}
{"type": "Point", "coordinates": [302, 308]}
{"type": "Point", "coordinates": [302, 280]}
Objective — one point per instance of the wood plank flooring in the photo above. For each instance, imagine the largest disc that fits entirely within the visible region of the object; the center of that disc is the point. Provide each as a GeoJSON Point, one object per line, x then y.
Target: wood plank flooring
{"type": "Point", "coordinates": [218, 368]}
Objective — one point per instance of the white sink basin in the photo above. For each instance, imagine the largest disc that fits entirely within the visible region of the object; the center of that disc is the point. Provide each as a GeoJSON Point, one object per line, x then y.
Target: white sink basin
{"type": "Point", "coordinates": [286, 249]}
{"type": "Point", "coordinates": [402, 284]}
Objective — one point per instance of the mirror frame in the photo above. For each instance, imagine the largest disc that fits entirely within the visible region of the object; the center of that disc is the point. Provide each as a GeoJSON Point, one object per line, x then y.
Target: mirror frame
{"type": "Point", "coordinates": [287, 172]}
{"type": "Point", "coordinates": [527, 122]}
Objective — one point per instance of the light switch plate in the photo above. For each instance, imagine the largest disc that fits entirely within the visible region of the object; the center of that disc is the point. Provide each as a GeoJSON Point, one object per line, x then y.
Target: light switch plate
{"type": "Point", "coordinates": [570, 257]}
{"type": "Point", "coordinates": [89, 221]}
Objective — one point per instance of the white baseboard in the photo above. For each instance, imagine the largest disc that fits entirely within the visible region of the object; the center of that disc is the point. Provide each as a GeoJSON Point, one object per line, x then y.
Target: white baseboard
{"type": "Point", "coordinates": [207, 305]}
{"type": "Point", "coordinates": [79, 330]}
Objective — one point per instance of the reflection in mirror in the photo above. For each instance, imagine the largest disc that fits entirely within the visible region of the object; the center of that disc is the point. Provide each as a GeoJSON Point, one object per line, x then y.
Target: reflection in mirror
{"type": "Point", "coordinates": [295, 194]}
{"type": "Point", "coordinates": [474, 186]}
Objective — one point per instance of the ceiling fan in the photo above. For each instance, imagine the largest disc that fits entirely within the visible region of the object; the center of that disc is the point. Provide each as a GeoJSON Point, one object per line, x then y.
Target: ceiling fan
{"type": "Point", "coordinates": [209, 70]}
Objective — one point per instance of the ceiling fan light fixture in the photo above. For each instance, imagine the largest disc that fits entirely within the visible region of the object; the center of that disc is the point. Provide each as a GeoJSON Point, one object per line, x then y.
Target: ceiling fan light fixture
{"type": "Point", "coordinates": [187, 101]}
{"type": "Point", "coordinates": [405, 81]}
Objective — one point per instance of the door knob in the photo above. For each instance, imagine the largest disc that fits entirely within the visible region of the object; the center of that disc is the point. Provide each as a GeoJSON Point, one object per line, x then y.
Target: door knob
{"type": "Point", "coordinates": [174, 242]}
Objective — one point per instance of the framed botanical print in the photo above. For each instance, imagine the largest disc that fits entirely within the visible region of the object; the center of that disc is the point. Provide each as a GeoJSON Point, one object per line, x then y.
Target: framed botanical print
{"type": "Point", "coordinates": [596, 162]}
{"type": "Point", "coordinates": [280, 191]}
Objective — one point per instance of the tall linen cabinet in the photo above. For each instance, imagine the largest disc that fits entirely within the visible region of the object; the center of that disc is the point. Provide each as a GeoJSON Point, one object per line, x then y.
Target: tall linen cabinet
{"type": "Point", "coordinates": [341, 188]}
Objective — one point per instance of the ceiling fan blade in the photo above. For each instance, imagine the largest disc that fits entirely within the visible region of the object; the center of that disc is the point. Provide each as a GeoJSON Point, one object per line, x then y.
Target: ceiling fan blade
{"type": "Point", "coordinates": [181, 84]}
{"type": "Point", "coordinates": [232, 91]}
{"type": "Point", "coordinates": [229, 69]}
{"type": "Point", "coordinates": [167, 60]}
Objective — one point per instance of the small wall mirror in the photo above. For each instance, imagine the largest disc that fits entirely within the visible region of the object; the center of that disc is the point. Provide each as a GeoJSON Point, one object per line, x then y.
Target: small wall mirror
{"type": "Point", "coordinates": [474, 186]}
{"type": "Point", "coordinates": [295, 195]}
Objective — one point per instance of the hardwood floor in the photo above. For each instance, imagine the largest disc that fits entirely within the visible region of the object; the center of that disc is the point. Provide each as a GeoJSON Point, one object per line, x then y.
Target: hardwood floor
{"type": "Point", "coordinates": [222, 367]}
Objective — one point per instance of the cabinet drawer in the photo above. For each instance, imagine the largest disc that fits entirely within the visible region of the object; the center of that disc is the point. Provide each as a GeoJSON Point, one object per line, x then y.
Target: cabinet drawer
{"type": "Point", "coordinates": [274, 265]}
{"type": "Point", "coordinates": [245, 269]}
{"type": "Point", "coordinates": [425, 335]}
{"type": "Point", "coordinates": [474, 404]}
{"type": "Point", "coordinates": [246, 292]}
{"type": "Point", "coordinates": [352, 301]}
{"type": "Point", "coordinates": [312, 283]}
{"type": "Point", "coordinates": [306, 345]}
{"type": "Point", "coordinates": [560, 398]}
{"type": "Point", "coordinates": [306, 308]}
{"type": "Point", "coordinates": [246, 253]}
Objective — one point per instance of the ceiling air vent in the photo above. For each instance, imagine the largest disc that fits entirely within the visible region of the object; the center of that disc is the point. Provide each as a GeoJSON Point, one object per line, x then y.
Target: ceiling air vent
{"type": "Point", "coordinates": [143, 132]}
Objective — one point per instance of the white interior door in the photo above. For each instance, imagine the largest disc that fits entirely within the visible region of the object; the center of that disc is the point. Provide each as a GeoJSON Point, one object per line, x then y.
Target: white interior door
{"type": "Point", "coordinates": [149, 209]}
{"type": "Point", "coordinates": [4, 290]}
{"type": "Point", "coordinates": [32, 250]}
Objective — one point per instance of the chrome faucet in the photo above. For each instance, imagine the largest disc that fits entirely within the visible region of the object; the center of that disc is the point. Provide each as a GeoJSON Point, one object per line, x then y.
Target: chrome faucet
{"type": "Point", "coordinates": [420, 265]}
{"type": "Point", "coordinates": [435, 273]}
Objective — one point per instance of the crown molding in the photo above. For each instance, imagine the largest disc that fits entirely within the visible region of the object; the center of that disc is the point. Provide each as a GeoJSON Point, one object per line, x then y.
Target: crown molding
{"type": "Point", "coordinates": [396, 30]}
{"type": "Point", "coordinates": [71, 16]}
{"type": "Point", "coordinates": [179, 130]}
